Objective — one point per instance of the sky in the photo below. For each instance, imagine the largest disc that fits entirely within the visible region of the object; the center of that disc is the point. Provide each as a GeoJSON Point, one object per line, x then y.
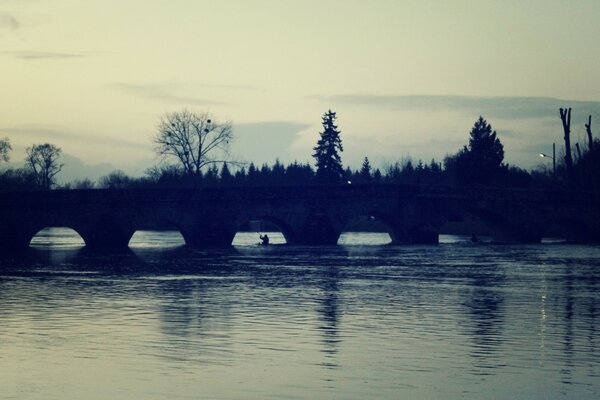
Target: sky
{"type": "Point", "coordinates": [406, 78]}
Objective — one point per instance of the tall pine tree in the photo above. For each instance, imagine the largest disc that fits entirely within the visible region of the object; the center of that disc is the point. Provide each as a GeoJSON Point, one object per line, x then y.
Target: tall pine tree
{"type": "Point", "coordinates": [481, 161]}
{"type": "Point", "coordinates": [365, 171]}
{"type": "Point", "coordinates": [329, 162]}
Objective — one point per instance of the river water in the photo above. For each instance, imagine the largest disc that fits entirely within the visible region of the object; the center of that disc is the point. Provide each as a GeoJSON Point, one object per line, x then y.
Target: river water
{"type": "Point", "coordinates": [361, 320]}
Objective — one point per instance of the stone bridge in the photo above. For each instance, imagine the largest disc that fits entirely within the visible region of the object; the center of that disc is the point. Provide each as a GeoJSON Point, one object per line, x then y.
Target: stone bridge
{"type": "Point", "coordinates": [306, 215]}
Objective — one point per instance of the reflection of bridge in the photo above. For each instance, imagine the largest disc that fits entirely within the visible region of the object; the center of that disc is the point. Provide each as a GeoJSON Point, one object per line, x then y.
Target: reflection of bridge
{"type": "Point", "coordinates": [305, 214]}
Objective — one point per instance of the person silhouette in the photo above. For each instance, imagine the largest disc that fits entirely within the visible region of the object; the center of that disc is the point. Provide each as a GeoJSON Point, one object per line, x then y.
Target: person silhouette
{"type": "Point", "coordinates": [264, 239]}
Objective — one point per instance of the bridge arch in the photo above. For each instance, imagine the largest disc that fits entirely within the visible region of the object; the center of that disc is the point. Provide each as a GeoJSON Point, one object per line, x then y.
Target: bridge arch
{"type": "Point", "coordinates": [401, 230]}
{"type": "Point", "coordinates": [163, 231]}
{"type": "Point", "coordinates": [56, 235]}
{"type": "Point", "coordinates": [261, 223]}
{"type": "Point", "coordinates": [164, 237]}
{"type": "Point", "coordinates": [373, 223]}
{"type": "Point", "coordinates": [500, 226]}
{"type": "Point", "coordinates": [571, 228]}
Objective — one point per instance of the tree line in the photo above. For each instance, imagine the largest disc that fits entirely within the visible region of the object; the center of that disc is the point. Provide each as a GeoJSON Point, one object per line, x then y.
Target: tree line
{"type": "Point", "coordinates": [194, 150]}
{"type": "Point", "coordinates": [42, 164]}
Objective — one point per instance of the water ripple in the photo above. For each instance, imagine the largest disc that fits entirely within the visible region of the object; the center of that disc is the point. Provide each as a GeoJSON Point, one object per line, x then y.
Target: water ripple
{"type": "Point", "coordinates": [354, 321]}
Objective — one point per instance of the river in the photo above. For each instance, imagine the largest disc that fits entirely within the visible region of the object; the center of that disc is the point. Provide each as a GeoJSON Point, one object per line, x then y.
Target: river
{"type": "Point", "coordinates": [361, 320]}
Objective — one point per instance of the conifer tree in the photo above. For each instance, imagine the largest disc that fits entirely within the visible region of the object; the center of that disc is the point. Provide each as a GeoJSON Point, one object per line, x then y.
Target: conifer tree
{"type": "Point", "coordinates": [329, 162]}
{"type": "Point", "coordinates": [482, 160]}
{"type": "Point", "coordinates": [377, 176]}
{"type": "Point", "coordinates": [365, 171]}
{"type": "Point", "coordinates": [485, 147]}
{"type": "Point", "coordinates": [226, 176]}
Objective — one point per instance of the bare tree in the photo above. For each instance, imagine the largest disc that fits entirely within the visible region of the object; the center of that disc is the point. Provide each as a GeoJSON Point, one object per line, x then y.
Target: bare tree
{"type": "Point", "coordinates": [115, 180]}
{"type": "Point", "coordinates": [85, 183]}
{"type": "Point", "coordinates": [565, 116]}
{"type": "Point", "coordinates": [588, 130]}
{"type": "Point", "coordinates": [42, 160]}
{"type": "Point", "coordinates": [5, 147]}
{"type": "Point", "coordinates": [193, 140]}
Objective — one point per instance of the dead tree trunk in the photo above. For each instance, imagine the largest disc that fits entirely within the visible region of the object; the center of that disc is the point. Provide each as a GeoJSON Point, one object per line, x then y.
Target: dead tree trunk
{"type": "Point", "coordinates": [588, 129]}
{"type": "Point", "coordinates": [578, 151]}
{"type": "Point", "coordinates": [565, 116]}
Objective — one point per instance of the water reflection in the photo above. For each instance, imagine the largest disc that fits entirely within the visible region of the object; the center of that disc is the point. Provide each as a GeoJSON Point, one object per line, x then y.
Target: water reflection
{"type": "Point", "coordinates": [195, 317]}
{"type": "Point", "coordinates": [447, 321]}
{"type": "Point", "coordinates": [566, 371]}
{"type": "Point", "coordinates": [329, 315]}
{"type": "Point", "coordinates": [484, 305]}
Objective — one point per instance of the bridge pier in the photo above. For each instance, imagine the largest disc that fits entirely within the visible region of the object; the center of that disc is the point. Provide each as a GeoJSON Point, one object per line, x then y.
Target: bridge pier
{"type": "Point", "coordinates": [515, 237]}
{"type": "Point", "coordinates": [209, 234]}
{"type": "Point", "coordinates": [317, 230]}
{"type": "Point", "coordinates": [105, 233]}
{"type": "Point", "coordinates": [107, 238]}
{"type": "Point", "coordinates": [13, 239]}
{"type": "Point", "coordinates": [524, 234]}
{"type": "Point", "coordinates": [421, 234]}
{"type": "Point", "coordinates": [584, 236]}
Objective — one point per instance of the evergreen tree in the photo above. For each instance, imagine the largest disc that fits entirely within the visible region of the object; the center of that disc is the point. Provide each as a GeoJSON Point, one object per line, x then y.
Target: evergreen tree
{"type": "Point", "coordinates": [434, 167]}
{"type": "Point", "coordinates": [408, 173]}
{"type": "Point", "coordinates": [299, 174]}
{"type": "Point", "coordinates": [212, 175]}
{"type": "Point", "coordinates": [365, 171]}
{"type": "Point", "coordinates": [377, 176]}
{"type": "Point", "coordinates": [349, 175]}
{"type": "Point", "coordinates": [226, 176]}
{"type": "Point", "coordinates": [329, 162]}
{"type": "Point", "coordinates": [264, 174]}
{"type": "Point", "coordinates": [484, 146]}
{"type": "Point", "coordinates": [481, 161]}
{"type": "Point", "coordinates": [252, 176]}
{"type": "Point", "coordinates": [240, 176]}
{"type": "Point", "coordinates": [278, 173]}
{"type": "Point", "coordinates": [393, 173]}
{"type": "Point", "coordinates": [420, 166]}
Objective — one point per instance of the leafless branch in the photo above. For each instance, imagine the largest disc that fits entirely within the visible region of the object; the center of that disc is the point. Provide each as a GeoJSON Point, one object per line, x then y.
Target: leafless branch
{"type": "Point", "coordinates": [193, 140]}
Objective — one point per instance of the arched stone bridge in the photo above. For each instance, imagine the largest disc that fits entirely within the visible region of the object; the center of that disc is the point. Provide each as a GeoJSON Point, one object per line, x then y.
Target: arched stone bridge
{"type": "Point", "coordinates": [314, 215]}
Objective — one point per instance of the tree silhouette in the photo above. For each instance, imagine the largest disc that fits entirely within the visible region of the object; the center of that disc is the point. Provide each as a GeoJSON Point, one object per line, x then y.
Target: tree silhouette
{"type": "Point", "coordinates": [5, 148]}
{"type": "Point", "coordinates": [329, 162]}
{"type": "Point", "coordinates": [225, 175]}
{"type": "Point", "coordinates": [565, 117]}
{"type": "Point", "coordinates": [42, 160]}
{"type": "Point", "coordinates": [193, 140]}
{"type": "Point", "coordinates": [365, 171]}
{"type": "Point", "coordinates": [481, 161]}
{"type": "Point", "coordinates": [115, 180]}
{"type": "Point", "coordinates": [588, 130]}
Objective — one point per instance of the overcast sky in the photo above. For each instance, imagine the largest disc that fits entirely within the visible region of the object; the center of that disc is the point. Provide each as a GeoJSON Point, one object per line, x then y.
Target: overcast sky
{"type": "Point", "coordinates": [407, 78]}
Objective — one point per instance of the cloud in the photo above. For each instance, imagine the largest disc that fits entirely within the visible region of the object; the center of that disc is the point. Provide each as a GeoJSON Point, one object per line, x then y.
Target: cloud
{"type": "Point", "coordinates": [74, 169]}
{"type": "Point", "coordinates": [164, 93]}
{"type": "Point", "coordinates": [49, 134]}
{"type": "Point", "coordinates": [42, 55]}
{"type": "Point", "coordinates": [179, 93]}
{"type": "Point", "coordinates": [9, 22]}
{"type": "Point", "coordinates": [512, 134]}
{"type": "Point", "coordinates": [489, 107]}
{"type": "Point", "coordinates": [256, 141]}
